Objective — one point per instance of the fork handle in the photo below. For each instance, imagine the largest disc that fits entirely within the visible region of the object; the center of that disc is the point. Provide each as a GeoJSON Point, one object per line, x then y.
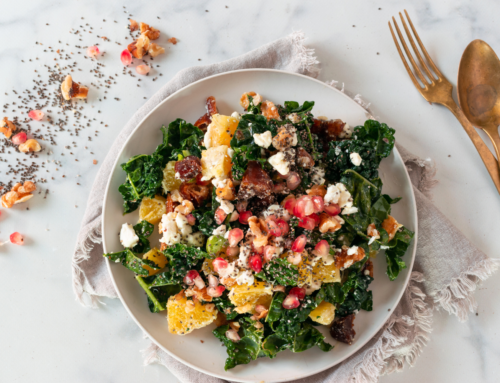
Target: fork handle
{"type": "Point", "coordinates": [489, 160]}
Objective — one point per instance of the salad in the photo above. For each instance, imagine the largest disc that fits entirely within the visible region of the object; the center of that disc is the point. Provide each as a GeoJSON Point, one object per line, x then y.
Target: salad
{"type": "Point", "coordinates": [268, 222]}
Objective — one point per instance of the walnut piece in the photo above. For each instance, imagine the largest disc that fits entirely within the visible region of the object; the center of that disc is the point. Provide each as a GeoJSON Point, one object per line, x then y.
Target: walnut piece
{"type": "Point", "coordinates": [19, 193]}
{"type": "Point", "coordinates": [66, 88]}
{"type": "Point", "coordinates": [7, 127]}
{"type": "Point", "coordinates": [30, 145]}
{"type": "Point", "coordinates": [133, 25]}
{"type": "Point", "coordinates": [155, 50]}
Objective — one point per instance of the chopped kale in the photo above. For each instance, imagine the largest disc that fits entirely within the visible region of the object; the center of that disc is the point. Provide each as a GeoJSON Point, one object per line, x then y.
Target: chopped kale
{"type": "Point", "coordinates": [225, 306]}
{"type": "Point", "coordinates": [181, 259]}
{"type": "Point", "coordinates": [177, 137]}
{"type": "Point", "coordinates": [132, 262]}
{"type": "Point", "coordinates": [143, 230]}
{"type": "Point", "coordinates": [280, 271]}
{"type": "Point", "coordinates": [397, 249]}
{"type": "Point", "coordinates": [157, 296]}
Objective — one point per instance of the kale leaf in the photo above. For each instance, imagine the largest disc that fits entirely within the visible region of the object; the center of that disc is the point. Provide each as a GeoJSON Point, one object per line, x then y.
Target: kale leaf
{"type": "Point", "coordinates": [205, 216]}
{"type": "Point", "coordinates": [157, 296]}
{"type": "Point", "coordinates": [225, 306]}
{"type": "Point", "coordinates": [178, 136]}
{"type": "Point", "coordinates": [143, 230]}
{"type": "Point", "coordinates": [397, 249]}
{"type": "Point", "coordinates": [356, 295]}
{"type": "Point", "coordinates": [275, 309]}
{"type": "Point", "coordinates": [308, 337]}
{"type": "Point", "coordinates": [281, 272]}
{"type": "Point", "coordinates": [295, 107]}
{"type": "Point", "coordinates": [132, 262]}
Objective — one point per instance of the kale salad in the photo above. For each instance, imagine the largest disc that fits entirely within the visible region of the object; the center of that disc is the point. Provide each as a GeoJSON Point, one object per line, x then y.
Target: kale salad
{"type": "Point", "coordinates": [268, 219]}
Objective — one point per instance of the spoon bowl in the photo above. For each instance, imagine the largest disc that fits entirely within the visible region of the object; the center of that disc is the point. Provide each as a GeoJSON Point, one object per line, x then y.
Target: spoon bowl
{"type": "Point", "coordinates": [479, 89]}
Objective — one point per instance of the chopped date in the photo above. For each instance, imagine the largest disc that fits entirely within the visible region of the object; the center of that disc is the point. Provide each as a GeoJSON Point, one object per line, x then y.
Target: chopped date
{"type": "Point", "coordinates": [255, 182]}
{"type": "Point", "coordinates": [188, 168]}
{"type": "Point", "coordinates": [342, 329]}
{"type": "Point", "coordinates": [193, 192]}
{"type": "Point", "coordinates": [206, 119]}
{"type": "Point", "coordinates": [327, 130]}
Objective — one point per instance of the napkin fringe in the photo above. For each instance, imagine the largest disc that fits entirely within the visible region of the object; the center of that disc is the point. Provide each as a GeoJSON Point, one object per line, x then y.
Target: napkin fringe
{"type": "Point", "coordinates": [385, 356]}
{"type": "Point", "coordinates": [308, 60]}
{"type": "Point", "coordinates": [82, 254]}
{"type": "Point", "coordinates": [457, 297]}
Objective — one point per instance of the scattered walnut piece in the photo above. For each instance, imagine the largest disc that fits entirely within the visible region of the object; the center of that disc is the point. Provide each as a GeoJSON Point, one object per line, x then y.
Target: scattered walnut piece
{"type": "Point", "coordinates": [19, 193]}
{"type": "Point", "coordinates": [7, 127]}
{"type": "Point", "coordinates": [94, 162]}
{"type": "Point", "coordinates": [172, 40]}
{"type": "Point", "coordinates": [155, 50]}
{"type": "Point", "coordinates": [71, 89]}
{"type": "Point", "coordinates": [133, 25]}
{"type": "Point", "coordinates": [30, 145]}
{"type": "Point", "coordinates": [79, 91]}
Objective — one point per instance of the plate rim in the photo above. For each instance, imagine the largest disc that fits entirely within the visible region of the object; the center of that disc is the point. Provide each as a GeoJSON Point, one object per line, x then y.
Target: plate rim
{"type": "Point", "coordinates": [115, 164]}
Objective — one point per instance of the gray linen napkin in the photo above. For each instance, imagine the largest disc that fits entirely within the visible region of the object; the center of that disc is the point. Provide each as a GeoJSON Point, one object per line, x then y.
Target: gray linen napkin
{"type": "Point", "coordinates": [446, 272]}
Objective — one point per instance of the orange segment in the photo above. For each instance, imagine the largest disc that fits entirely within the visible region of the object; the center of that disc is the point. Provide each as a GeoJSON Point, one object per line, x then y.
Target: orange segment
{"type": "Point", "coordinates": [251, 295]}
{"type": "Point", "coordinates": [324, 313]}
{"type": "Point", "coordinates": [158, 258]}
{"type": "Point", "coordinates": [221, 130]}
{"type": "Point", "coordinates": [169, 182]}
{"type": "Point", "coordinates": [183, 318]}
{"type": "Point", "coordinates": [152, 209]}
{"type": "Point", "coordinates": [215, 162]}
{"type": "Point", "coordinates": [326, 273]}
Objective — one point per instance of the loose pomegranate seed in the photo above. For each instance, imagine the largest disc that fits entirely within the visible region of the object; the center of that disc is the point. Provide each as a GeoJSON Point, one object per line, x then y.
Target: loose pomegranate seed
{"type": "Point", "coordinates": [36, 115]}
{"type": "Point", "coordinates": [199, 282]}
{"type": "Point", "coordinates": [319, 204]}
{"type": "Point", "coordinates": [232, 335]}
{"type": "Point", "coordinates": [191, 219]}
{"type": "Point", "coordinates": [273, 227]}
{"type": "Point", "coordinates": [291, 302]}
{"type": "Point", "coordinates": [307, 223]}
{"type": "Point", "coordinates": [299, 244]}
{"type": "Point", "coordinates": [332, 210]}
{"type": "Point", "coordinates": [220, 216]}
{"type": "Point", "coordinates": [126, 57]}
{"type": "Point", "coordinates": [322, 248]}
{"type": "Point", "coordinates": [234, 236]}
{"type": "Point", "coordinates": [293, 180]}
{"type": "Point", "coordinates": [269, 252]}
{"type": "Point", "coordinates": [233, 251]}
{"type": "Point", "coordinates": [299, 292]}
{"type": "Point", "coordinates": [191, 275]}
{"type": "Point", "coordinates": [219, 264]}
{"type": "Point", "coordinates": [19, 138]}
{"type": "Point", "coordinates": [200, 182]}
{"type": "Point", "coordinates": [215, 291]}
{"type": "Point", "coordinates": [256, 263]}
{"type": "Point", "coordinates": [290, 204]}
{"type": "Point", "coordinates": [92, 51]}
{"type": "Point", "coordinates": [142, 69]}
{"type": "Point", "coordinates": [16, 238]}
{"type": "Point", "coordinates": [213, 281]}
{"type": "Point", "coordinates": [283, 225]}
{"type": "Point", "coordinates": [243, 218]}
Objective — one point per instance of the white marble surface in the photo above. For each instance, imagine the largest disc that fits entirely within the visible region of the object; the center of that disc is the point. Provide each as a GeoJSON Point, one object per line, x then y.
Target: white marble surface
{"type": "Point", "coordinates": [48, 337]}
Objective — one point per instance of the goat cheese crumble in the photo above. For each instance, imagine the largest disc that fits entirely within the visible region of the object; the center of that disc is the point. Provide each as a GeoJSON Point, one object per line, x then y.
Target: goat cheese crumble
{"type": "Point", "coordinates": [128, 238]}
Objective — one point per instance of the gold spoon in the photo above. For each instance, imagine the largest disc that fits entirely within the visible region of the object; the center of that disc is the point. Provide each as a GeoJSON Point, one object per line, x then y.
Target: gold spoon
{"type": "Point", "coordinates": [479, 89]}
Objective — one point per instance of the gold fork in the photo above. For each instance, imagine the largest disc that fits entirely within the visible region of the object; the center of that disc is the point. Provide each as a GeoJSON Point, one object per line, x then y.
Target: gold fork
{"type": "Point", "coordinates": [435, 88]}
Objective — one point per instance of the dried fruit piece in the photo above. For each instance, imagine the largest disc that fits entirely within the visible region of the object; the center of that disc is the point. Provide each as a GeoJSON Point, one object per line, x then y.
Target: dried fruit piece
{"type": "Point", "coordinates": [142, 69]}
{"type": "Point", "coordinates": [194, 193]}
{"type": "Point", "coordinates": [36, 115]}
{"type": "Point", "coordinates": [19, 138]}
{"type": "Point", "coordinates": [319, 190]}
{"type": "Point", "coordinates": [227, 191]}
{"type": "Point", "coordinates": [255, 182]}
{"type": "Point", "coordinates": [180, 322]}
{"type": "Point", "coordinates": [304, 159]}
{"type": "Point", "coordinates": [293, 180]}
{"type": "Point", "coordinates": [152, 209]}
{"type": "Point", "coordinates": [155, 50]}
{"type": "Point", "coordinates": [126, 57]}
{"type": "Point", "coordinates": [188, 168]}
{"type": "Point", "coordinates": [79, 91]}
{"type": "Point", "coordinates": [30, 145]}
{"type": "Point", "coordinates": [93, 51]}
{"type": "Point", "coordinates": [324, 313]}
{"type": "Point", "coordinates": [343, 329]}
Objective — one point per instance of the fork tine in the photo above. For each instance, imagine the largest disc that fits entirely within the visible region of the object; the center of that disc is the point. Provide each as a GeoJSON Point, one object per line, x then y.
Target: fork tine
{"type": "Point", "coordinates": [416, 69]}
{"type": "Point", "coordinates": [415, 49]}
{"type": "Point", "coordinates": [434, 67]}
{"type": "Point", "coordinates": [403, 59]}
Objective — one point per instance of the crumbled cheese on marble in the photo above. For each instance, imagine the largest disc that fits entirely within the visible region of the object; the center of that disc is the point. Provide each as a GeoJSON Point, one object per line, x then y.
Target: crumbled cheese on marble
{"type": "Point", "coordinates": [221, 230]}
{"type": "Point", "coordinates": [227, 206]}
{"type": "Point", "coordinates": [128, 238]}
{"type": "Point", "coordinates": [264, 140]}
{"type": "Point", "coordinates": [279, 163]}
{"type": "Point", "coordinates": [355, 159]}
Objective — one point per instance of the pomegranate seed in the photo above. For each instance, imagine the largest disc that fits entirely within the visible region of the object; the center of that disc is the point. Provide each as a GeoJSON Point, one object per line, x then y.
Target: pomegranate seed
{"type": "Point", "coordinates": [220, 216]}
{"type": "Point", "coordinates": [293, 180]}
{"type": "Point", "coordinates": [199, 282]}
{"type": "Point", "coordinates": [332, 210]}
{"type": "Point", "coordinates": [308, 205]}
{"type": "Point", "coordinates": [190, 277]}
{"type": "Point", "coordinates": [213, 281]}
{"type": "Point", "coordinates": [19, 138]}
{"type": "Point", "coordinates": [299, 292]}
{"type": "Point", "coordinates": [232, 251]}
{"type": "Point", "coordinates": [283, 225]}
{"type": "Point", "coordinates": [291, 302]}
{"type": "Point", "coordinates": [315, 217]}
{"type": "Point", "coordinates": [234, 236]}
{"type": "Point", "coordinates": [126, 57]}
{"type": "Point", "coordinates": [269, 252]}
{"type": "Point", "coordinates": [200, 182]}
{"type": "Point", "coordinates": [290, 204]}
{"type": "Point", "coordinates": [319, 204]}
{"type": "Point", "coordinates": [36, 115]}
{"type": "Point", "coordinates": [16, 238]}
{"type": "Point", "coordinates": [142, 69]}
{"type": "Point", "coordinates": [273, 227]}
{"type": "Point", "coordinates": [216, 291]}
{"type": "Point", "coordinates": [322, 248]}
{"type": "Point", "coordinates": [307, 223]}
{"type": "Point", "coordinates": [299, 244]}
{"type": "Point", "coordinates": [298, 209]}
{"type": "Point", "coordinates": [232, 335]}
{"type": "Point", "coordinates": [256, 263]}
{"type": "Point", "coordinates": [219, 264]}
{"type": "Point", "coordinates": [243, 218]}
{"type": "Point", "coordinates": [92, 51]}
{"type": "Point", "coordinates": [191, 219]}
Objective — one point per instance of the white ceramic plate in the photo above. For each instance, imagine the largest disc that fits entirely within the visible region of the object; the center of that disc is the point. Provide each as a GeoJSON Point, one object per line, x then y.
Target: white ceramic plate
{"type": "Point", "coordinates": [188, 103]}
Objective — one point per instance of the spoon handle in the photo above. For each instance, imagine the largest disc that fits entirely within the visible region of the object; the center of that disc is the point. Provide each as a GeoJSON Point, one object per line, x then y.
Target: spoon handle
{"type": "Point", "coordinates": [492, 132]}
{"type": "Point", "coordinates": [489, 160]}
